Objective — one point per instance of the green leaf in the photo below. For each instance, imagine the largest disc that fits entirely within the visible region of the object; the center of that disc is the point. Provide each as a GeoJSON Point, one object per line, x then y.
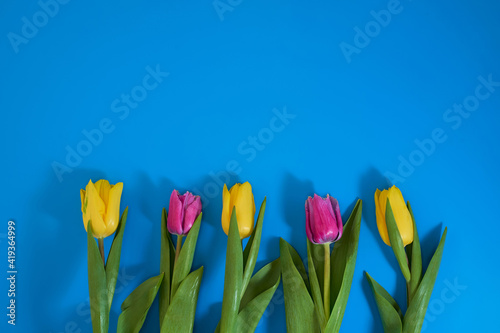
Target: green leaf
{"type": "Point", "coordinates": [342, 267]}
{"type": "Point", "coordinates": [318, 259]}
{"type": "Point", "coordinates": [98, 292]}
{"type": "Point", "coordinates": [315, 287]}
{"type": "Point", "coordinates": [254, 299]}
{"type": "Point", "coordinates": [378, 289]}
{"type": "Point", "coordinates": [396, 241]}
{"type": "Point", "coordinates": [233, 278]}
{"type": "Point", "coordinates": [252, 248]}
{"type": "Point", "coordinates": [389, 310]}
{"type": "Point", "coordinates": [113, 263]}
{"type": "Point", "coordinates": [299, 307]}
{"type": "Point", "coordinates": [167, 258]}
{"type": "Point", "coordinates": [264, 279]}
{"type": "Point", "coordinates": [182, 310]}
{"type": "Point", "coordinates": [137, 304]}
{"type": "Point", "coordinates": [249, 317]}
{"type": "Point", "coordinates": [257, 297]}
{"type": "Point", "coordinates": [144, 290]}
{"type": "Point", "coordinates": [416, 259]}
{"type": "Point", "coordinates": [185, 259]}
{"type": "Point", "coordinates": [414, 317]}
{"type": "Point", "coordinates": [299, 265]}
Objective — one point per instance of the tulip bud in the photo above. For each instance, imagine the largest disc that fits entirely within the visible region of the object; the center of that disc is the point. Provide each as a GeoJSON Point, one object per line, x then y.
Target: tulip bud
{"type": "Point", "coordinates": [240, 197]}
{"type": "Point", "coordinates": [101, 206]}
{"type": "Point", "coordinates": [400, 211]}
{"type": "Point", "coordinates": [323, 220]}
{"type": "Point", "coordinates": [182, 212]}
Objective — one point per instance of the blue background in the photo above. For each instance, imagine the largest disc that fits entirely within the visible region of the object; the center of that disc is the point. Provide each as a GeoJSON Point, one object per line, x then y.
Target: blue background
{"type": "Point", "coordinates": [356, 119]}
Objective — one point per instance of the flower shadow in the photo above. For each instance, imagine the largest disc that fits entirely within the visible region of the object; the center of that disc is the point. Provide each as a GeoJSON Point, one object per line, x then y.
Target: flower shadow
{"type": "Point", "coordinates": [370, 181]}
{"type": "Point", "coordinates": [60, 255]}
{"type": "Point", "coordinates": [294, 195]}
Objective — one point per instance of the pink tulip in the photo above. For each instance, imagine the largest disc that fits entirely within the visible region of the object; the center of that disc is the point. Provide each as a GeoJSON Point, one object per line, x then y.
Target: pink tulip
{"type": "Point", "coordinates": [182, 212]}
{"type": "Point", "coordinates": [323, 220]}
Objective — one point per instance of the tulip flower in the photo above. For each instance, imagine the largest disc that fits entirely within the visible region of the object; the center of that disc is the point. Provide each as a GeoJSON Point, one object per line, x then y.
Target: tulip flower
{"type": "Point", "coordinates": [240, 197]}
{"type": "Point", "coordinates": [183, 211]}
{"type": "Point", "coordinates": [400, 211]}
{"type": "Point", "coordinates": [101, 206]}
{"type": "Point", "coordinates": [324, 226]}
{"type": "Point", "coordinates": [397, 228]}
{"type": "Point", "coordinates": [323, 220]}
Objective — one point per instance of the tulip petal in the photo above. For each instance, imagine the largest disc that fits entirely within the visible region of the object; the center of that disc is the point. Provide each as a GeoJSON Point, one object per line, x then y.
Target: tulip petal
{"type": "Point", "coordinates": [191, 213]}
{"type": "Point", "coordinates": [234, 194]}
{"type": "Point", "coordinates": [226, 209]}
{"type": "Point", "coordinates": [330, 233]}
{"type": "Point", "coordinates": [380, 203]}
{"type": "Point", "coordinates": [323, 220]}
{"type": "Point", "coordinates": [316, 223]}
{"type": "Point", "coordinates": [175, 213]}
{"type": "Point", "coordinates": [308, 219]}
{"type": "Point", "coordinates": [377, 206]}
{"type": "Point", "coordinates": [319, 220]}
{"type": "Point", "coordinates": [102, 186]}
{"type": "Point", "coordinates": [84, 208]}
{"type": "Point", "coordinates": [113, 207]}
{"type": "Point", "coordinates": [338, 217]}
{"type": "Point", "coordinates": [82, 196]}
{"type": "Point", "coordinates": [245, 209]}
{"type": "Point", "coordinates": [328, 204]}
{"type": "Point", "coordinates": [323, 228]}
{"type": "Point", "coordinates": [95, 211]}
{"type": "Point", "coordinates": [401, 215]}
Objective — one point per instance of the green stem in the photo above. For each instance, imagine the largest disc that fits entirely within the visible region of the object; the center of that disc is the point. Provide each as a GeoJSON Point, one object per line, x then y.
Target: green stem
{"type": "Point", "coordinates": [326, 289]}
{"type": "Point", "coordinates": [178, 248]}
{"type": "Point", "coordinates": [177, 251]}
{"type": "Point", "coordinates": [101, 249]}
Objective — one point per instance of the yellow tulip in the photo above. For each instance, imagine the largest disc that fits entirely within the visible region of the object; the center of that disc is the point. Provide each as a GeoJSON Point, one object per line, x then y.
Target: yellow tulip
{"type": "Point", "coordinates": [400, 211]}
{"type": "Point", "coordinates": [101, 206]}
{"type": "Point", "coordinates": [241, 198]}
